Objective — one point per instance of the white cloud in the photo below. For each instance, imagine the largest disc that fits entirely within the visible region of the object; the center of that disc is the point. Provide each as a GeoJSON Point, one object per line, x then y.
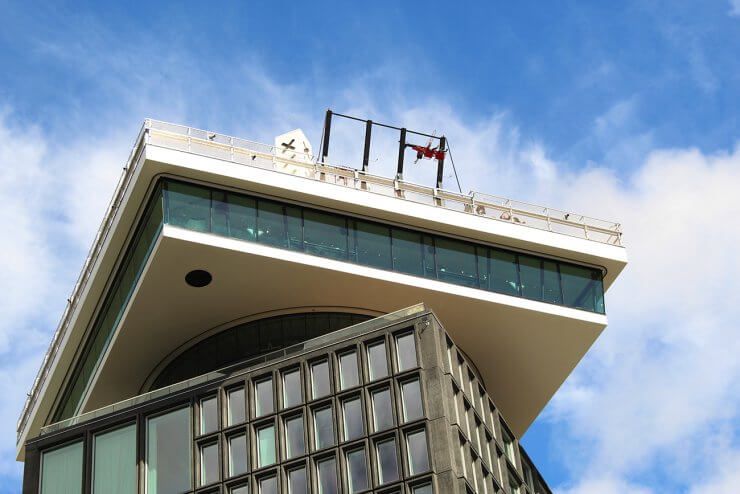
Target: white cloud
{"type": "Point", "coordinates": [735, 7]}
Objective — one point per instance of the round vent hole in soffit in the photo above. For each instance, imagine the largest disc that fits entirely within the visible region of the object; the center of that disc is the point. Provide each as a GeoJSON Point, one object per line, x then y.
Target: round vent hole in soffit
{"type": "Point", "coordinates": [198, 278]}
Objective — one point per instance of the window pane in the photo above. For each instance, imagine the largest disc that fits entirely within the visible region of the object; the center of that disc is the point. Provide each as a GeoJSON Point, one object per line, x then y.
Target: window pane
{"type": "Point", "coordinates": [582, 288]}
{"type": "Point", "coordinates": [264, 401]}
{"type": "Point", "coordinates": [320, 385]}
{"type": "Point", "coordinates": [168, 457]}
{"type": "Point", "coordinates": [327, 473]}
{"type": "Point", "coordinates": [242, 489]}
{"type": "Point", "coordinates": [551, 282]}
{"type": "Point", "coordinates": [372, 245]}
{"type": "Point", "coordinates": [237, 455]}
{"type": "Point", "coordinates": [297, 481]}
{"type": "Point", "coordinates": [278, 225]}
{"type": "Point", "coordinates": [456, 262]}
{"type": "Point", "coordinates": [234, 215]}
{"type": "Point", "coordinates": [407, 253]}
{"type": "Point", "coordinates": [323, 428]}
{"type": "Point", "coordinates": [236, 413]}
{"type": "Point", "coordinates": [530, 274]}
{"type": "Point", "coordinates": [406, 350]}
{"type": "Point", "coordinates": [504, 272]}
{"type": "Point", "coordinates": [209, 464]}
{"type": "Point", "coordinates": [352, 411]}
{"type": "Point", "coordinates": [411, 397]}
{"type": "Point", "coordinates": [325, 234]}
{"type": "Point", "coordinates": [423, 489]}
{"type": "Point", "coordinates": [376, 360]}
{"type": "Point", "coordinates": [348, 376]}
{"type": "Point", "coordinates": [356, 470]}
{"type": "Point", "coordinates": [208, 415]}
{"type": "Point", "coordinates": [188, 206]}
{"type": "Point", "coordinates": [268, 485]}
{"type": "Point", "coordinates": [266, 446]}
{"type": "Point", "coordinates": [430, 270]}
{"type": "Point", "coordinates": [382, 411]}
{"type": "Point", "coordinates": [114, 464]}
{"type": "Point", "coordinates": [484, 280]}
{"type": "Point", "coordinates": [295, 443]}
{"type": "Point", "coordinates": [387, 461]}
{"type": "Point", "coordinates": [292, 394]}
{"type": "Point", "coordinates": [416, 446]}
{"type": "Point", "coordinates": [61, 470]}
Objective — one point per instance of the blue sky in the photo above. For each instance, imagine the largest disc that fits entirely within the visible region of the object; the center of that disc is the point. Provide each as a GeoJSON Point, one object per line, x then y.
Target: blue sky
{"type": "Point", "coordinates": [621, 110]}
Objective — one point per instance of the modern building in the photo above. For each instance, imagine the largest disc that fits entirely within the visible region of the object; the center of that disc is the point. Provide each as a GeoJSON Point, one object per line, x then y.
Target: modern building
{"type": "Point", "coordinates": [252, 320]}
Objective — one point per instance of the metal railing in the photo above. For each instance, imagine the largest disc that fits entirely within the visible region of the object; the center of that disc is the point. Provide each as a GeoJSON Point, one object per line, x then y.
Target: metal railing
{"type": "Point", "coordinates": [265, 156]}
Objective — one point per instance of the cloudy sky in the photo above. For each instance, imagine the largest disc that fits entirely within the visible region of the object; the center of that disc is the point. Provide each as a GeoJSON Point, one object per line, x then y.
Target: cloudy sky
{"type": "Point", "coordinates": [626, 111]}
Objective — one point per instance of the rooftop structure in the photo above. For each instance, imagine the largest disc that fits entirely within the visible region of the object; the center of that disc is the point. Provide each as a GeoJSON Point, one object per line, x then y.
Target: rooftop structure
{"type": "Point", "coordinates": [218, 254]}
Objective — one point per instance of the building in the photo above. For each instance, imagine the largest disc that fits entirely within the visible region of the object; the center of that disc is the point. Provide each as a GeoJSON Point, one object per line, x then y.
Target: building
{"type": "Point", "coordinates": [251, 321]}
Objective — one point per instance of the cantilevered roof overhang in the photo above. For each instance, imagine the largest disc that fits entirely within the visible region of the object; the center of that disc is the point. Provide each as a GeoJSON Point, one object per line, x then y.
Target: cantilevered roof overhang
{"type": "Point", "coordinates": [521, 377]}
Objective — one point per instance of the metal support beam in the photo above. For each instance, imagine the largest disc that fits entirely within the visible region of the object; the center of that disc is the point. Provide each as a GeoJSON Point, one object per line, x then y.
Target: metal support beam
{"type": "Point", "coordinates": [441, 161]}
{"type": "Point", "coordinates": [366, 153]}
{"type": "Point", "coordinates": [401, 151]}
{"type": "Point", "coordinates": [327, 131]}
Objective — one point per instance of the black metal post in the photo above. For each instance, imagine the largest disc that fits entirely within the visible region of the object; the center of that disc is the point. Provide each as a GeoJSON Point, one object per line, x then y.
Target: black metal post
{"type": "Point", "coordinates": [366, 153]}
{"type": "Point", "coordinates": [327, 131]}
{"type": "Point", "coordinates": [401, 150]}
{"type": "Point", "coordinates": [441, 161]}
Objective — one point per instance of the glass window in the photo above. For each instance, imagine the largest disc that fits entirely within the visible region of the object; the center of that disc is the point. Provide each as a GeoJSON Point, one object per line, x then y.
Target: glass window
{"type": "Point", "coordinates": [209, 464]}
{"type": "Point", "coordinates": [406, 351]}
{"type": "Point", "coordinates": [61, 470]}
{"type": "Point", "coordinates": [484, 269]}
{"type": "Point", "coordinates": [325, 234]}
{"type": "Point", "coordinates": [387, 461]}
{"type": "Point", "coordinates": [208, 415]}
{"type": "Point", "coordinates": [348, 376]}
{"type": "Point", "coordinates": [236, 413]}
{"type": "Point", "coordinates": [295, 443]}
{"type": "Point", "coordinates": [268, 485]}
{"type": "Point", "coordinates": [263, 397]}
{"type": "Point", "coordinates": [504, 272]}
{"type": "Point", "coordinates": [168, 452]}
{"type": "Point", "coordinates": [114, 462]}
{"type": "Point", "coordinates": [237, 455]}
{"type": "Point", "coordinates": [456, 262]}
{"type": "Point", "coordinates": [292, 394]}
{"type": "Point", "coordinates": [411, 398]}
{"type": "Point", "coordinates": [430, 270]}
{"type": "Point", "coordinates": [241, 489]}
{"type": "Point", "coordinates": [382, 411]}
{"type": "Point", "coordinates": [278, 225]}
{"type": "Point", "coordinates": [376, 360]}
{"type": "Point", "coordinates": [327, 476]}
{"type": "Point", "coordinates": [356, 470]}
{"type": "Point", "coordinates": [323, 428]}
{"type": "Point", "coordinates": [582, 288]}
{"type": "Point", "coordinates": [320, 384]}
{"type": "Point", "coordinates": [530, 275]}
{"type": "Point", "coordinates": [297, 481]}
{"type": "Point", "coordinates": [265, 446]}
{"type": "Point", "coordinates": [352, 412]}
{"type": "Point", "coordinates": [551, 283]}
{"type": "Point", "coordinates": [508, 444]}
{"type": "Point", "coordinates": [234, 215]}
{"type": "Point", "coordinates": [513, 485]}
{"type": "Point", "coordinates": [407, 251]}
{"type": "Point", "coordinates": [423, 489]}
{"type": "Point", "coordinates": [372, 245]}
{"type": "Point", "coordinates": [416, 447]}
{"type": "Point", "coordinates": [188, 206]}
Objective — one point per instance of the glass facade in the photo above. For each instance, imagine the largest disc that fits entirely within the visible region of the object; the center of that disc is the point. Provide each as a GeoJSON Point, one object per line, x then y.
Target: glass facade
{"type": "Point", "coordinates": [356, 470]}
{"type": "Point", "coordinates": [114, 462]}
{"type": "Point", "coordinates": [61, 470]}
{"type": "Point", "coordinates": [168, 459]}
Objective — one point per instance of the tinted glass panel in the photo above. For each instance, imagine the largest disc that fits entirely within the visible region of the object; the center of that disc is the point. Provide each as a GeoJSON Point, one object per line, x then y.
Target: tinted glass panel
{"type": "Point", "coordinates": [382, 411]}
{"type": "Point", "coordinates": [423, 489]}
{"type": "Point", "coordinates": [208, 415]}
{"type": "Point", "coordinates": [504, 272]}
{"type": "Point", "coordinates": [327, 473]}
{"type": "Point", "coordinates": [530, 275]}
{"type": "Point", "coordinates": [114, 464]}
{"type": "Point", "coordinates": [406, 351]}
{"type": "Point", "coordinates": [268, 485]}
{"type": "Point", "coordinates": [456, 262]}
{"type": "Point", "coordinates": [325, 234]}
{"type": "Point", "coordinates": [209, 464]}
{"type": "Point", "coordinates": [295, 444]}
{"type": "Point", "coordinates": [188, 206]}
{"type": "Point", "coordinates": [266, 446]}
{"type": "Point", "coordinates": [376, 360]}
{"type": "Point", "coordinates": [234, 215]}
{"type": "Point", "coordinates": [484, 279]}
{"type": "Point", "coordinates": [237, 455]}
{"type": "Point", "coordinates": [263, 397]}
{"type": "Point", "coordinates": [297, 481]}
{"type": "Point", "coordinates": [292, 394]}
{"type": "Point", "coordinates": [320, 384]}
{"type": "Point", "coordinates": [551, 283]}
{"type": "Point", "coordinates": [372, 245]}
{"type": "Point", "coordinates": [430, 266]}
{"type": "Point", "coordinates": [323, 428]}
{"type": "Point", "coordinates": [242, 489]}
{"type": "Point", "coordinates": [356, 471]}
{"type": "Point", "coordinates": [417, 452]}
{"type": "Point", "coordinates": [407, 252]}
{"type": "Point", "coordinates": [168, 448]}
{"type": "Point", "coordinates": [411, 397]}
{"type": "Point", "coordinates": [61, 470]}
{"type": "Point", "coordinates": [582, 288]}
{"type": "Point", "coordinates": [236, 413]}
{"type": "Point", "coordinates": [278, 225]}
{"type": "Point", "coordinates": [348, 372]}
{"type": "Point", "coordinates": [387, 461]}
{"type": "Point", "coordinates": [352, 411]}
